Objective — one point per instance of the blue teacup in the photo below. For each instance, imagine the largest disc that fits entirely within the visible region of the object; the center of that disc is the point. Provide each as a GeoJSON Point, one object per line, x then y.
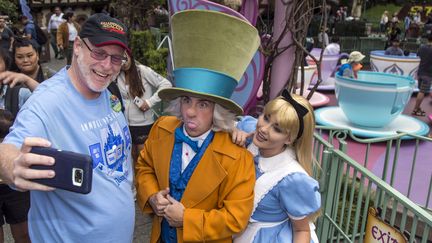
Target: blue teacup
{"type": "Point", "coordinates": [374, 99]}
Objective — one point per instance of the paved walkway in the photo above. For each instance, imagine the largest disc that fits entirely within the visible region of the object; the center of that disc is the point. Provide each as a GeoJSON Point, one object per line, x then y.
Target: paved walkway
{"type": "Point", "coordinates": [142, 221]}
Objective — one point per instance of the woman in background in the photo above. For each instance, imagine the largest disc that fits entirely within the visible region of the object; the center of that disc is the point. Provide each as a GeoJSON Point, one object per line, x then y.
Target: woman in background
{"type": "Point", "coordinates": [6, 36]}
{"type": "Point", "coordinates": [26, 61]}
{"type": "Point", "coordinates": [15, 88]}
{"type": "Point", "coordinates": [66, 34]}
{"type": "Point", "coordinates": [14, 205]}
{"type": "Point", "coordinates": [139, 86]}
{"type": "Point", "coordinates": [384, 22]}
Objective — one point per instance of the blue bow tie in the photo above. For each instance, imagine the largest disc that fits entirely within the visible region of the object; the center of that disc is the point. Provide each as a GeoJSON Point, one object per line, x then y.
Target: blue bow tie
{"type": "Point", "coordinates": [180, 137]}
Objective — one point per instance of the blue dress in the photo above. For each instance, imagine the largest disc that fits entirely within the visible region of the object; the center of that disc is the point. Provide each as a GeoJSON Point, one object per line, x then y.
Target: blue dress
{"type": "Point", "coordinates": [283, 192]}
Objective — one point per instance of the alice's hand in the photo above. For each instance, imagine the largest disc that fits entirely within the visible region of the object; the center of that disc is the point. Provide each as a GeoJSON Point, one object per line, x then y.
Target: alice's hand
{"type": "Point", "coordinates": [239, 137]}
{"type": "Point", "coordinates": [159, 202]}
{"type": "Point", "coordinates": [174, 213]}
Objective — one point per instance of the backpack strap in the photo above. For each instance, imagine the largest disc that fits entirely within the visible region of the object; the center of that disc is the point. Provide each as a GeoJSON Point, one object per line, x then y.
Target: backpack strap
{"type": "Point", "coordinates": [114, 89]}
{"type": "Point", "coordinates": [12, 99]}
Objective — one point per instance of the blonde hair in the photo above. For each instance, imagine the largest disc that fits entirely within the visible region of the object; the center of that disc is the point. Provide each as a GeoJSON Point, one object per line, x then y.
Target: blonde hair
{"type": "Point", "coordinates": [288, 121]}
{"type": "Point", "coordinates": [223, 119]}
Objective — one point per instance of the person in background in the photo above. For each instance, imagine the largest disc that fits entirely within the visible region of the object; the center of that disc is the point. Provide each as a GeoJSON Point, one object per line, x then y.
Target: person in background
{"type": "Point", "coordinates": [323, 39]}
{"type": "Point", "coordinates": [14, 205]}
{"type": "Point", "coordinates": [15, 88]}
{"type": "Point", "coordinates": [384, 22]}
{"type": "Point", "coordinates": [26, 61]}
{"type": "Point", "coordinates": [74, 111]}
{"type": "Point", "coordinates": [105, 10]}
{"type": "Point", "coordinates": [428, 19]}
{"type": "Point", "coordinates": [393, 33]}
{"type": "Point", "coordinates": [394, 49]}
{"type": "Point", "coordinates": [345, 12]}
{"type": "Point", "coordinates": [6, 36]}
{"type": "Point", "coordinates": [66, 34]}
{"type": "Point", "coordinates": [339, 16]}
{"type": "Point", "coordinates": [407, 24]}
{"type": "Point", "coordinates": [55, 21]}
{"type": "Point", "coordinates": [424, 75]}
{"type": "Point", "coordinates": [417, 17]}
{"type": "Point", "coordinates": [285, 192]}
{"type": "Point", "coordinates": [395, 18]}
{"type": "Point", "coordinates": [333, 48]}
{"type": "Point", "coordinates": [353, 65]}
{"type": "Point", "coordinates": [139, 86]}
{"type": "Point", "coordinates": [29, 32]}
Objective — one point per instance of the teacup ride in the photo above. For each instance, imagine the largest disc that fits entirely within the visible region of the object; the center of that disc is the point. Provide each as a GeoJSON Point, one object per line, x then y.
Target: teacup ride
{"type": "Point", "coordinates": [317, 99]}
{"type": "Point", "coordinates": [399, 65]}
{"type": "Point", "coordinates": [328, 69]}
{"type": "Point", "coordinates": [371, 105]}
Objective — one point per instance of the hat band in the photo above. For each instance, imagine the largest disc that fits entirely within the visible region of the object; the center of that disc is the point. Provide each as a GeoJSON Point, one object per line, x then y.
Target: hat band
{"type": "Point", "coordinates": [205, 81]}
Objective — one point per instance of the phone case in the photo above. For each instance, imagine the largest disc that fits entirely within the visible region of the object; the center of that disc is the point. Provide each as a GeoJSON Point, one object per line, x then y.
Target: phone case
{"type": "Point", "coordinates": [73, 171]}
{"type": "Point", "coordinates": [138, 102]}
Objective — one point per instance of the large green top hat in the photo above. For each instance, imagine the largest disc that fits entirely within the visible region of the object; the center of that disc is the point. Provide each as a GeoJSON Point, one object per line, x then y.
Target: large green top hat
{"type": "Point", "coordinates": [211, 52]}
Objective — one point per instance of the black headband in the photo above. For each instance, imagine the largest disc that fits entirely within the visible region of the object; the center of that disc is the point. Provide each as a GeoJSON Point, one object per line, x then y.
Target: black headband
{"type": "Point", "coordinates": [300, 110]}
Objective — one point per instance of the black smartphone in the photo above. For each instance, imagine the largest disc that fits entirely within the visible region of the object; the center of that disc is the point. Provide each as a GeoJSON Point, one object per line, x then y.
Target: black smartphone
{"type": "Point", "coordinates": [73, 171]}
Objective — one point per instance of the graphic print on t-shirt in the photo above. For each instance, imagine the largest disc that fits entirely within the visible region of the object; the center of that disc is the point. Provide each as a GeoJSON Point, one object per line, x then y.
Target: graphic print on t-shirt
{"type": "Point", "coordinates": [111, 155]}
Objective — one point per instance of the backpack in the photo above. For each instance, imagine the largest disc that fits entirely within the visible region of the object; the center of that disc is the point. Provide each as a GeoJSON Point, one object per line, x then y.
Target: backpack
{"type": "Point", "coordinates": [41, 38]}
{"type": "Point", "coordinates": [12, 99]}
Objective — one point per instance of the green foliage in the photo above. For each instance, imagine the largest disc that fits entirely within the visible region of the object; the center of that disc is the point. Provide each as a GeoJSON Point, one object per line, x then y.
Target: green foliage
{"type": "Point", "coordinates": [373, 14]}
{"type": "Point", "coordinates": [9, 8]}
{"type": "Point", "coordinates": [143, 46]}
{"type": "Point", "coordinates": [346, 207]}
{"type": "Point", "coordinates": [135, 13]}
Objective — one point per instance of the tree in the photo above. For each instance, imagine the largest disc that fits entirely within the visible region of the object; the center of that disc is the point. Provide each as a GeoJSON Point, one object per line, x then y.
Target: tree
{"type": "Point", "coordinates": [135, 13]}
{"type": "Point", "coordinates": [296, 24]}
{"type": "Point", "coordinates": [9, 8]}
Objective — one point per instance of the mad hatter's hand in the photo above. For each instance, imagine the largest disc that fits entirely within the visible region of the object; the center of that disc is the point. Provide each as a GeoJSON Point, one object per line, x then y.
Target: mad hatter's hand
{"type": "Point", "coordinates": [158, 202]}
{"type": "Point", "coordinates": [174, 213]}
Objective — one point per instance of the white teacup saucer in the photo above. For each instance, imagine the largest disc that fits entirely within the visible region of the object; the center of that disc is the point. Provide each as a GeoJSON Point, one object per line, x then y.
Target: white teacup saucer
{"type": "Point", "coordinates": [334, 117]}
{"type": "Point", "coordinates": [317, 98]}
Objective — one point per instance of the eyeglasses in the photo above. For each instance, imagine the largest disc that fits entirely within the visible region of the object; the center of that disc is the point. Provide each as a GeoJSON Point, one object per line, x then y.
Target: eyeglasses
{"type": "Point", "coordinates": [101, 55]}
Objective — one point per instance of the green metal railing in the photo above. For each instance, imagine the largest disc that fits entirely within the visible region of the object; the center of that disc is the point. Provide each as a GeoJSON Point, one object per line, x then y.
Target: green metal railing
{"type": "Point", "coordinates": [368, 44]}
{"type": "Point", "coordinates": [392, 147]}
{"type": "Point", "coordinates": [348, 189]}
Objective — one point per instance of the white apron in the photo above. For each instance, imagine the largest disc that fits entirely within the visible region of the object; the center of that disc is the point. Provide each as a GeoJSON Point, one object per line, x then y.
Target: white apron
{"type": "Point", "coordinates": [281, 165]}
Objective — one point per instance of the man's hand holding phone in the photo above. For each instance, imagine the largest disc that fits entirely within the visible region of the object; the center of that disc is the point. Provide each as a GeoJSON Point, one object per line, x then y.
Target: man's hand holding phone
{"type": "Point", "coordinates": [142, 104]}
{"type": "Point", "coordinates": [40, 167]}
{"type": "Point", "coordinates": [23, 174]}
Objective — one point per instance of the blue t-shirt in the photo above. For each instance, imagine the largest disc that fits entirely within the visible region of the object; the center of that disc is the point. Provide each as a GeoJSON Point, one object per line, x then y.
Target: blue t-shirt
{"type": "Point", "coordinates": [346, 71]}
{"type": "Point", "coordinates": [58, 112]}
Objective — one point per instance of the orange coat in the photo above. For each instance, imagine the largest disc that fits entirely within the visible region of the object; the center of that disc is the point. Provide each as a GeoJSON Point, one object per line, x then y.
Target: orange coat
{"type": "Point", "coordinates": [219, 196]}
{"type": "Point", "coordinates": [63, 34]}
